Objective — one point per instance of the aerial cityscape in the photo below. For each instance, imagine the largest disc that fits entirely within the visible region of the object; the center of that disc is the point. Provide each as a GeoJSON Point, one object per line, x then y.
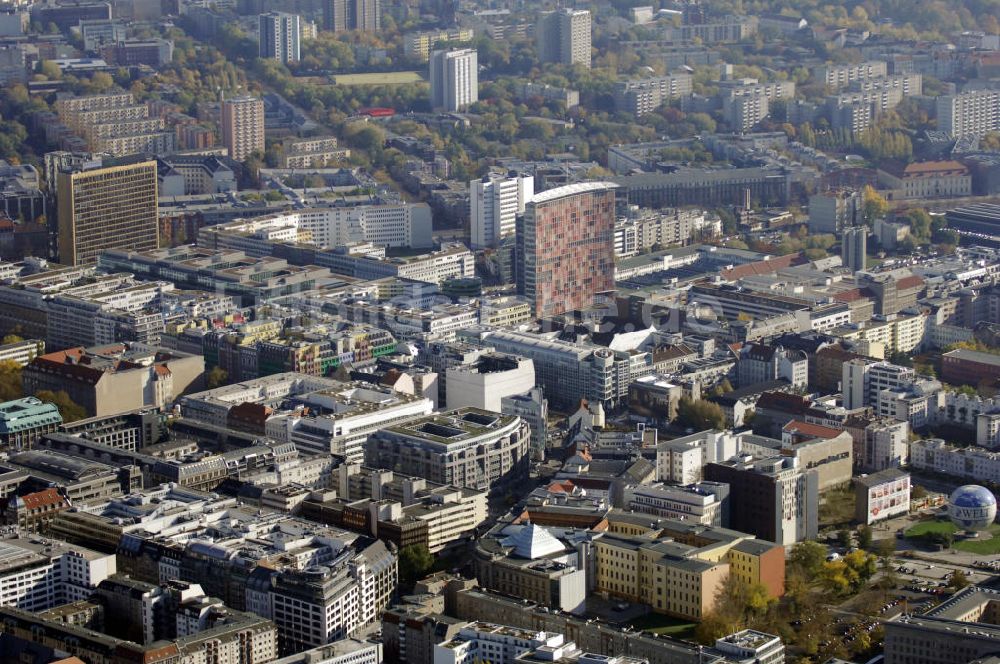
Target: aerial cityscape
{"type": "Point", "coordinates": [499, 332]}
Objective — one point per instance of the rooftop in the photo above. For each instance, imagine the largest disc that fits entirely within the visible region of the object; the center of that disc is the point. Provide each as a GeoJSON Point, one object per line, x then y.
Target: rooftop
{"type": "Point", "coordinates": [26, 413]}
{"type": "Point", "coordinates": [812, 430]}
{"type": "Point", "coordinates": [572, 190]}
{"type": "Point", "coordinates": [974, 356]}
{"type": "Point", "coordinates": [453, 426]}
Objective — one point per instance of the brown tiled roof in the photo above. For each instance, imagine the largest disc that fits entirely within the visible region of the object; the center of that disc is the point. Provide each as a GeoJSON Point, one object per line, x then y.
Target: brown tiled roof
{"type": "Point", "coordinates": [838, 353]}
{"type": "Point", "coordinates": [852, 295]}
{"type": "Point", "coordinates": [789, 403]}
{"type": "Point", "coordinates": [391, 377]}
{"type": "Point", "coordinates": [661, 353]}
{"type": "Point", "coordinates": [43, 498]}
{"type": "Point", "coordinates": [763, 267]}
{"type": "Point", "coordinates": [814, 430]}
{"type": "Point", "coordinates": [909, 282]}
{"type": "Point", "coordinates": [934, 168]}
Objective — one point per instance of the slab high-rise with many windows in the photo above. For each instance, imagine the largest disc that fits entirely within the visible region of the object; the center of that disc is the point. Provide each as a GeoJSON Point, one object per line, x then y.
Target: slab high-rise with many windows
{"type": "Point", "coordinates": [564, 36]}
{"type": "Point", "coordinates": [454, 79]}
{"type": "Point", "coordinates": [363, 15]}
{"type": "Point", "coordinates": [567, 247]}
{"type": "Point", "coordinates": [243, 126]}
{"type": "Point", "coordinates": [279, 37]}
{"type": "Point", "coordinates": [494, 203]}
{"type": "Point", "coordinates": [101, 208]}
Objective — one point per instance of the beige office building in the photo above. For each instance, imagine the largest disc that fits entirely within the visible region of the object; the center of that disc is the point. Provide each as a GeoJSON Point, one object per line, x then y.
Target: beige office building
{"type": "Point", "coordinates": [243, 126]}
{"type": "Point", "coordinates": [107, 208]}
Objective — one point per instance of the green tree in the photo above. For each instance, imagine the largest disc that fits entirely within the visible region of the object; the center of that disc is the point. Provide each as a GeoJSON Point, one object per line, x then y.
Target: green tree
{"type": "Point", "coordinates": [920, 225]}
{"type": "Point", "coordinates": [844, 538]}
{"type": "Point", "coordinates": [700, 415]}
{"type": "Point", "coordinates": [101, 82]}
{"type": "Point", "coordinates": [808, 556]}
{"type": "Point", "coordinates": [958, 580]}
{"type": "Point", "coordinates": [990, 141]}
{"type": "Point", "coordinates": [864, 537]}
{"type": "Point", "coordinates": [908, 245]}
{"type": "Point", "coordinates": [11, 339]}
{"type": "Point", "coordinates": [415, 561]}
{"type": "Point", "coordinates": [884, 548]}
{"type": "Point", "coordinates": [50, 70]}
{"type": "Point", "coordinates": [69, 409]}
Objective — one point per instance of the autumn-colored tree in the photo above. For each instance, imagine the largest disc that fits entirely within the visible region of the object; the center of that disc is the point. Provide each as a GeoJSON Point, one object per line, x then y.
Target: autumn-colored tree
{"type": "Point", "coordinates": [873, 205]}
{"type": "Point", "coordinates": [849, 573]}
{"type": "Point", "coordinates": [216, 377]}
{"type": "Point", "coordinates": [69, 409]}
{"type": "Point", "coordinates": [738, 605]}
{"type": "Point", "coordinates": [10, 380]}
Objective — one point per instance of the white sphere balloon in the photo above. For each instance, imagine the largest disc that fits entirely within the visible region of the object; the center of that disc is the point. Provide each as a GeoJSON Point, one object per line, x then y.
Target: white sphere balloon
{"type": "Point", "coordinates": [972, 507]}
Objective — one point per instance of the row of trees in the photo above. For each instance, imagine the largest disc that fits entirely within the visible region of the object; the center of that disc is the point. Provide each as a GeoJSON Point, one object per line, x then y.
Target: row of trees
{"type": "Point", "coordinates": [876, 143]}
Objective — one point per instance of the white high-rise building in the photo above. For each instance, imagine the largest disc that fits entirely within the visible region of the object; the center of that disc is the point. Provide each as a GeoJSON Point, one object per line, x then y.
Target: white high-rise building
{"type": "Point", "coordinates": [279, 36]}
{"type": "Point", "coordinates": [863, 381]}
{"type": "Point", "coordinates": [454, 79]}
{"type": "Point", "coordinates": [494, 203]}
{"type": "Point", "coordinates": [973, 112]}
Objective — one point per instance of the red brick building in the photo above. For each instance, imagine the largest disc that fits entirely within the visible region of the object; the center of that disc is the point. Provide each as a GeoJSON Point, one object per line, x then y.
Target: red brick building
{"type": "Point", "coordinates": [970, 367]}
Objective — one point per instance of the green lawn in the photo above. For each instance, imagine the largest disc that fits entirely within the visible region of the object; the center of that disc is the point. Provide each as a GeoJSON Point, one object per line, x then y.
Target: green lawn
{"type": "Point", "coordinates": [657, 623]}
{"type": "Point", "coordinates": [925, 527]}
{"type": "Point", "coordinates": [989, 546]}
{"type": "Point", "coordinates": [379, 78]}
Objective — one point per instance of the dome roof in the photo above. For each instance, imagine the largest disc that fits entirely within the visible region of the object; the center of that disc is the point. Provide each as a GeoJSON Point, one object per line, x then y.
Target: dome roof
{"type": "Point", "coordinates": [533, 542]}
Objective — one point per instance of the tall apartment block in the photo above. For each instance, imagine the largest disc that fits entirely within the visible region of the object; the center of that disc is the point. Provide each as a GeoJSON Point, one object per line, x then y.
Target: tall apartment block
{"type": "Point", "coordinates": [839, 76]}
{"type": "Point", "coordinates": [363, 15]}
{"type": "Point", "coordinates": [644, 95]}
{"type": "Point", "coordinates": [974, 112]}
{"type": "Point", "coordinates": [454, 79]}
{"type": "Point", "coordinates": [853, 247]}
{"type": "Point", "coordinates": [743, 112]}
{"type": "Point", "coordinates": [279, 36]}
{"type": "Point", "coordinates": [243, 126]}
{"type": "Point", "coordinates": [832, 211]}
{"type": "Point", "coordinates": [418, 45]}
{"type": "Point", "coordinates": [564, 36]}
{"type": "Point", "coordinates": [567, 247]}
{"type": "Point", "coordinates": [103, 208]}
{"type": "Point", "coordinates": [494, 203]}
